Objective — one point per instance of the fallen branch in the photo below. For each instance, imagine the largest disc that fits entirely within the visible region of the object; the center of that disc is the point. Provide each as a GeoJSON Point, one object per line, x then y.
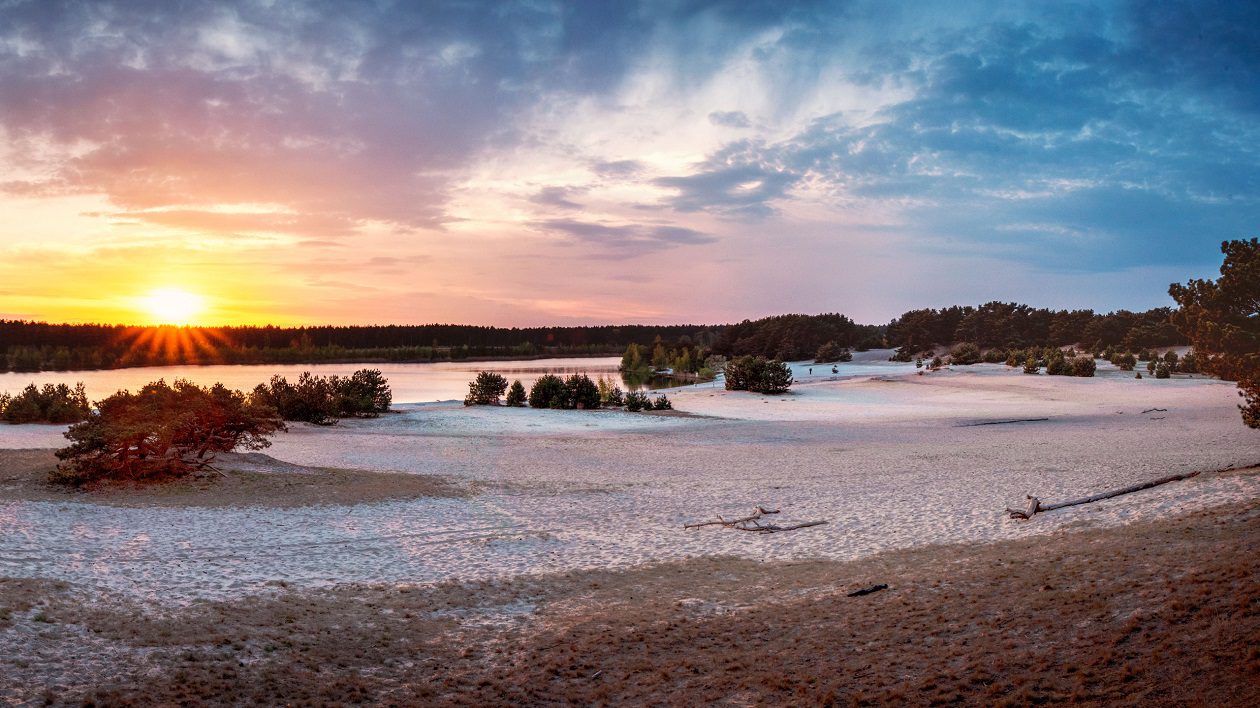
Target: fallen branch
{"type": "Point", "coordinates": [1155, 410]}
{"type": "Point", "coordinates": [751, 523]}
{"type": "Point", "coordinates": [1035, 506]}
{"type": "Point", "coordinates": [868, 591]}
{"type": "Point", "coordinates": [1001, 422]}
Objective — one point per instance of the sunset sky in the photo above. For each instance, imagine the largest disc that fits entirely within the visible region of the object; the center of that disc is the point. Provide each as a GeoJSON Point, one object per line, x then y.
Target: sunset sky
{"type": "Point", "coordinates": [565, 163]}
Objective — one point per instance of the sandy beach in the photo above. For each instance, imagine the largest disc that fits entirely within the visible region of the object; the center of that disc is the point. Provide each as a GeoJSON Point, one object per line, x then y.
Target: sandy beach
{"type": "Point", "coordinates": [501, 527]}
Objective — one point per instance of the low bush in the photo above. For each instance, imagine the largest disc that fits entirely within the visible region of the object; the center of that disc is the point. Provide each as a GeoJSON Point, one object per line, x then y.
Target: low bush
{"type": "Point", "coordinates": [163, 431]}
{"type": "Point", "coordinates": [322, 400]}
{"type": "Point", "coordinates": [832, 352]}
{"type": "Point", "coordinates": [50, 404]}
{"type": "Point", "coordinates": [749, 373]}
{"type": "Point", "coordinates": [1032, 365]}
{"type": "Point", "coordinates": [661, 403]}
{"type": "Point", "coordinates": [549, 391]}
{"type": "Point", "coordinates": [1163, 370]}
{"type": "Point", "coordinates": [516, 394]}
{"type": "Point", "coordinates": [1084, 366]}
{"type": "Point", "coordinates": [583, 394]}
{"type": "Point", "coordinates": [964, 354]}
{"type": "Point", "coordinates": [637, 401]}
{"type": "Point", "coordinates": [486, 389]}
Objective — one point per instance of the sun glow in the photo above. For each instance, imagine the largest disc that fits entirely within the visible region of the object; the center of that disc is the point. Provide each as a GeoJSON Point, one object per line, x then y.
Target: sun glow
{"type": "Point", "coordinates": [172, 306]}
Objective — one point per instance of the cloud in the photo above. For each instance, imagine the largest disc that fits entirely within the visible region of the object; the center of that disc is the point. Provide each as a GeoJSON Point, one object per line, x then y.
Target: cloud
{"type": "Point", "coordinates": [626, 239]}
{"type": "Point", "coordinates": [557, 197]}
{"type": "Point", "coordinates": [730, 119]}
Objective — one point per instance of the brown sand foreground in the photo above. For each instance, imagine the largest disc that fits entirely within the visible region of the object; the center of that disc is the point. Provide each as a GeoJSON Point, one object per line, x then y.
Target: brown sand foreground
{"type": "Point", "coordinates": [1153, 613]}
{"type": "Point", "coordinates": [249, 479]}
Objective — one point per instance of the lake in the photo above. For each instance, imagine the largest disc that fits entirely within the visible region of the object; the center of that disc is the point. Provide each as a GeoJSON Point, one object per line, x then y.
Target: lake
{"type": "Point", "coordinates": [411, 383]}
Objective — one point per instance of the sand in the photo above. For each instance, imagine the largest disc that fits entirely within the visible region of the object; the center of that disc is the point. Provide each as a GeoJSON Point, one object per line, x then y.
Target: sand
{"type": "Point", "coordinates": [888, 463]}
{"type": "Point", "coordinates": [521, 499]}
{"type": "Point", "coordinates": [1152, 613]}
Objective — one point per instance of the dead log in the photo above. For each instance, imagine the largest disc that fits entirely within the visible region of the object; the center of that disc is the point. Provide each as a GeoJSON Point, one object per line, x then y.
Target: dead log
{"type": "Point", "coordinates": [1002, 422]}
{"type": "Point", "coordinates": [1155, 410]}
{"type": "Point", "coordinates": [1035, 506]}
{"type": "Point", "coordinates": [751, 523]}
{"type": "Point", "coordinates": [868, 591]}
{"type": "Point", "coordinates": [760, 512]}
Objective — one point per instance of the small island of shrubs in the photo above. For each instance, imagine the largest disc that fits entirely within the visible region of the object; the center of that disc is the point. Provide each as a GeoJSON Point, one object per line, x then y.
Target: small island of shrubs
{"type": "Point", "coordinates": [577, 392]}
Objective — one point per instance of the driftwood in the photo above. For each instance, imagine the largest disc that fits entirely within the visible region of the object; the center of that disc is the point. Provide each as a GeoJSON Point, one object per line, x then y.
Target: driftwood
{"type": "Point", "coordinates": [752, 523]}
{"type": "Point", "coordinates": [1001, 422]}
{"type": "Point", "coordinates": [1155, 410]}
{"type": "Point", "coordinates": [868, 591]}
{"type": "Point", "coordinates": [1035, 505]}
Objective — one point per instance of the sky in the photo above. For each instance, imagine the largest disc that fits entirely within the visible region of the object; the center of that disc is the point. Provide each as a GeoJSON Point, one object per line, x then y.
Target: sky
{"type": "Point", "coordinates": [534, 163]}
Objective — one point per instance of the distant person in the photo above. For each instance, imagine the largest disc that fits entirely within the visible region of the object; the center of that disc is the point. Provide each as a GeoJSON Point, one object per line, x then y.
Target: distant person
{"type": "Point", "coordinates": [834, 370]}
{"type": "Point", "coordinates": [811, 371]}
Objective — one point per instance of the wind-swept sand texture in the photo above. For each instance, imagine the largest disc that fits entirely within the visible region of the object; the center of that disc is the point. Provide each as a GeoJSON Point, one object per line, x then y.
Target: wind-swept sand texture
{"type": "Point", "coordinates": [1153, 613]}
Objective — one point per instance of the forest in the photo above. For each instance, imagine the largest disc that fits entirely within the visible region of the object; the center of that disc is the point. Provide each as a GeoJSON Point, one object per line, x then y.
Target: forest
{"type": "Point", "coordinates": [40, 346]}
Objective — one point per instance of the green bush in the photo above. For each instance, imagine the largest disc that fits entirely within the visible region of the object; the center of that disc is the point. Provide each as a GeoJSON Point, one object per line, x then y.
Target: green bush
{"type": "Point", "coordinates": [583, 394]}
{"type": "Point", "coordinates": [616, 398]}
{"type": "Point", "coordinates": [832, 352]}
{"type": "Point", "coordinates": [964, 354]}
{"type": "Point", "coordinates": [516, 394]}
{"type": "Point", "coordinates": [755, 373]}
{"type": "Point", "coordinates": [994, 356]}
{"type": "Point", "coordinates": [1189, 364]}
{"type": "Point", "coordinates": [549, 391]}
{"type": "Point", "coordinates": [486, 389]}
{"type": "Point", "coordinates": [50, 404]}
{"type": "Point", "coordinates": [324, 399]}
{"type": "Point", "coordinates": [637, 401]}
{"type": "Point", "coordinates": [1125, 361]}
{"type": "Point", "coordinates": [1163, 370]}
{"type": "Point", "coordinates": [661, 403]}
{"type": "Point", "coordinates": [163, 431]}
{"type": "Point", "coordinates": [1084, 366]}
{"type": "Point", "coordinates": [1031, 365]}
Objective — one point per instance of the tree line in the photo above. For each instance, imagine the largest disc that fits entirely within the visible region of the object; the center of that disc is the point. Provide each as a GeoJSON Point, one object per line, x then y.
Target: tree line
{"type": "Point", "coordinates": [39, 346]}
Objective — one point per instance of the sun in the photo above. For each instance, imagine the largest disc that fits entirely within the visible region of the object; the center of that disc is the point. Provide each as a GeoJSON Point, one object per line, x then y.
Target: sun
{"type": "Point", "coordinates": [172, 306]}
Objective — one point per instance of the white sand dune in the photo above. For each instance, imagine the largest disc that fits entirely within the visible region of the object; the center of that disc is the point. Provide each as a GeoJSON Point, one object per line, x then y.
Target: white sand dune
{"type": "Point", "coordinates": [888, 462]}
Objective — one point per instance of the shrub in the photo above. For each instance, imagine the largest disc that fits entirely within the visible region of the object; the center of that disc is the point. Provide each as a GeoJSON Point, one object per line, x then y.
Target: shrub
{"type": "Point", "coordinates": [832, 352]}
{"type": "Point", "coordinates": [1189, 364]}
{"type": "Point", "coordinates": [964, 354]}
{"type": "Point", "coordinates": [163, 431]}
{"type": "Point", "coordinates": [1084, 366]}
{"type": "Point", "coordinates": [516, 394]}
{"type": "Point", "coordinates": [661, 403]}
{"type": "Point", "coordinates": [936, 363]}
{"type": "Point", "coordinates": [1057, 366]}
{"type": "Point", "coordinates": [549, 391]}
{"type": "Point", "coordinates": [1163, 370]}
{"type": "Point", "coordinates": [1150, 366]}
{"type": "Point", "coordinates": [1125, 361]}
{"type": "Point", "coordinates": [904, 354]}
{"type": "Point", "coordinates": [1138, 375]}
{"type": "Point", "coordinates": [637, 401]}
{"type": "Point", "coordinates": [365, 394]}
{"type": "Point", "coordinates": [615, 397]}
{"type": "Point", "coordinates": [323, 399]}
{"type": "Point", "coordinates": [1031, 365]}
{"type": "Point", "coordinates": [749, 373]}
{"type": "Point", "coordinates": [486, 389]}
{"type": "Point", "coordinates": [1016, 357]}
{"type": "Point", "coordinates": [1170, 358]}
{"type": "Point", "coordinates": [583, 394]}
{"type": "Point", "coordinates": [994, 356]}
{"type": "Point", "coordinates": [51, 404]}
